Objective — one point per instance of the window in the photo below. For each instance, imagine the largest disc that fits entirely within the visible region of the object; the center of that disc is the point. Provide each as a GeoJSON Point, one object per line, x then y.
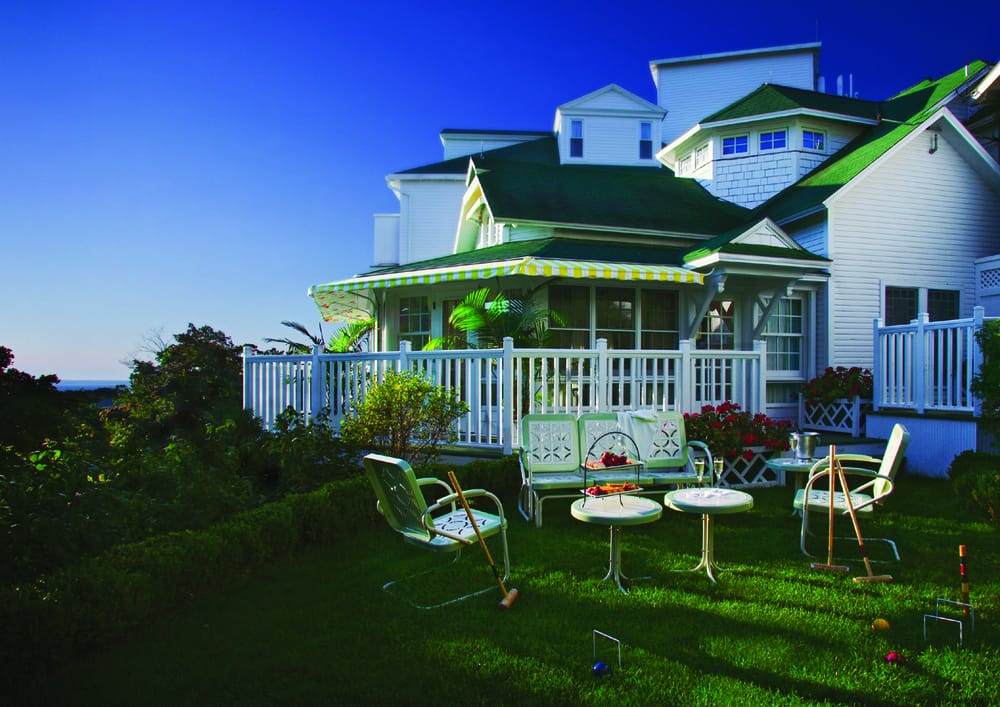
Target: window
{"type": "Point", "coordinates": [701, 156]}
{"type": "Point", "coordinates": [718, 328]}
{"type": "Point", "coordinates": [447, 328]}
{"type": "Point", "coordinates": [645, 141]}
{"type": "Point", "coordinates": [576, 138]}
{"type": "Point", "coordinates": [735, 145]}
{"type": "Point", "coordinates": [784, 335]}
{"type": "Point", "coordinates": [774, 140]}
{"type": "Point", "coordinates": [902, 304]}
{"type": "Point", "coordinates": [684, 165]}
{"type": "Point", "coordinates": [616, 316]}
{"type": "Point", "coordinates": [660, 329]}
{"type": "Point", "coordinates": [812, 140]}
{"type": "Point", "coordinates": [414, 321]}
{"type": "Point", "coordinates": [573, 305]}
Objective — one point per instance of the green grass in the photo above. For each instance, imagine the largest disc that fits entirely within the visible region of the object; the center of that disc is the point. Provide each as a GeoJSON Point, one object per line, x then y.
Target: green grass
{"type": "Point", "coordinates": [317, 628]}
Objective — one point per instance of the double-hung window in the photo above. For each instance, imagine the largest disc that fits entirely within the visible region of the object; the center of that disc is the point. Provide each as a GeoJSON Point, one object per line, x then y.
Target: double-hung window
{"type": "Point", "coordinates": [813, 140]}
{"type": "Point", "coordinates": [902, 304]}
{"type": "Point", "coordinates": [774, 140]}
{"type": "Point", "coordinates": [414, 321]}
{"type": "Point", "coordinates": [736, 145]}
{"type": "Point", "coordinates": [701, 156]}
{"type": "Point", "coordinates": [645, 141]}
{"type": "Point", "coordinates": [576, 138]}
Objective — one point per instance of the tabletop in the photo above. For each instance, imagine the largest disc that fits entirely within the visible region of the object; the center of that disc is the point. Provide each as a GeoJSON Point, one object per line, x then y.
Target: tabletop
{"type": "Point", "coordinates": [616, 510]}
{"type": "Point", "coordinates": [792, 464]}
{"type": "Point", "coordinates": [709, 501]}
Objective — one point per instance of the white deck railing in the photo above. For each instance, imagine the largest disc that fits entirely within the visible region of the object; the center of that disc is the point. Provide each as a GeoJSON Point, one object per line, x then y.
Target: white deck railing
{"type": "Point", "coordinates": [501, 385]}
{"type": "Point", "coordinates": [925, 365]}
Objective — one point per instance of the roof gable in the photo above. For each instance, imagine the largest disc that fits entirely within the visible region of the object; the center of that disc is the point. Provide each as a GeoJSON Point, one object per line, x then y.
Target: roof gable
{"type": "Point", "coordinates": [769, 99]}
{"type": "Point", "coordinates": [761, 237]}
{"type": "Point", "coordinates": [611, 98]}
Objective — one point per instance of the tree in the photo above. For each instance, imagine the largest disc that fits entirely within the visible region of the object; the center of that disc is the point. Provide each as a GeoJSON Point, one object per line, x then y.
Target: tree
{"type": "Point", "coordinates": [30, 408]}
{"type": "Point", "coordinates": [486, 318]}
{"type": "Point", "coordinates": [194, 382]}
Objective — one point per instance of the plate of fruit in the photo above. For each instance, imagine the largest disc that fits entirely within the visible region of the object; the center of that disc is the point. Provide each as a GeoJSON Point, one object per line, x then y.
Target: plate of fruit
{"type": "Point", "coordinates": [609, 459]}
{"type": "Point", "coordinates": [611, 489]}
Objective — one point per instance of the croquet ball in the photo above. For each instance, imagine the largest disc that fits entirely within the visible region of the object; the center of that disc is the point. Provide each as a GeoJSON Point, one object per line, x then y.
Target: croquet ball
{"type": "Point", "coordinates": [601, 669]}
{"type": "Point", "coordinates": [880, 625]}
{"type": "Point", "coordinates": [894, 658]}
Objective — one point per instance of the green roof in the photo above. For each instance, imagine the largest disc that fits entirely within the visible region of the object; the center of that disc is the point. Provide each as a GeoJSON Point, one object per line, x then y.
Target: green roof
{"type": "Point", "coordinates": [612, 198]}
{"type": "Point", "coordinates": [899, 116]}
{"type": "Point", "coordinates": [544, 150]}
{"type": "Point", "coordinates": [557, 248]}
{"type": "Point", "coordinates": [770, 98]}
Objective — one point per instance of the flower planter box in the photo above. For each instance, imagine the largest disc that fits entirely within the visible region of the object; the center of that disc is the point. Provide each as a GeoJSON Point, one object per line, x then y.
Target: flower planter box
{"type": "Point", "coordinates": [742, 472]}
{"type": "Point", "coordinates": [845, 415]}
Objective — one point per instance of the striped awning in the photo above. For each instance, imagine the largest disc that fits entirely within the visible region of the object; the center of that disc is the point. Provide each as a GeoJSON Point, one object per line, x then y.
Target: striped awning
{"type": "Point", "coordinates": [339, 301]}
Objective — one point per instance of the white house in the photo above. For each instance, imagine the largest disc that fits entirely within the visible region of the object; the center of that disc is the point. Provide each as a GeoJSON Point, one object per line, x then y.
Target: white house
{"type": "Point", "coordinates": [745, 205]}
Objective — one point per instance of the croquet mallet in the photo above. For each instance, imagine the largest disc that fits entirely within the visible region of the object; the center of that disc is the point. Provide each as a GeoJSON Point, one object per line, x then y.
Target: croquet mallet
{"type": "Point", "coordinates": [872, 577]}
{"type": "Point", "coordinates": [509, 597]}
{"type": "Point", "coordinates": [829, 566]}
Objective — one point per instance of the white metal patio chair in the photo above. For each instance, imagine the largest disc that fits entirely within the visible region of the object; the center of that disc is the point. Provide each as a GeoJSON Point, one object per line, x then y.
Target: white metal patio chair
{"type": "Point", "coordinates": [876, 485]}
{"type": "Point", "coordinates": [441, 526]}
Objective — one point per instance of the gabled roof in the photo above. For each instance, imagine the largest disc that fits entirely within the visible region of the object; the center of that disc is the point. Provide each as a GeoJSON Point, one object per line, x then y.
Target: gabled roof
{"type": "Point", "coordinates": [638, 103]}
{"type": "Point", "coordinates": [770, 98]}
{"type": "Point", "coordinates": [602, 198]}
{"type": "Point", "coordinates": [899, 116]}
{"type": "Point", "coordinates": [756, 238]}
{"type": "Point", "coordinates": [544, 150]}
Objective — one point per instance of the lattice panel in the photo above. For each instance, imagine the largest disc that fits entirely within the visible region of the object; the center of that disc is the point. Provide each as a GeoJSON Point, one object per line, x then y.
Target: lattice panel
{"type": "Point", "coordinates": [837, 416]}
{"type": "Point", "coordinates": [741, 472]}
{"type": "Point", "coordinates": [989, 279]}
{"type": "Point", "coordinates": [668, 441]}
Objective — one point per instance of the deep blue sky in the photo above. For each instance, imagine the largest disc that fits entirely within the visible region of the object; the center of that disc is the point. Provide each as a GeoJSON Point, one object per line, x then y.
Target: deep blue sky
{"type": "Point", "coordinates": [205, 162]}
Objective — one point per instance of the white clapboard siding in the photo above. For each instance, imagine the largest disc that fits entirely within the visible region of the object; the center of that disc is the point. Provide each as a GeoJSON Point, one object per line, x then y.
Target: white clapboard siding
{"type": "Point", "coordinates": [427, 211]}
{"type": "Point", "coordinates": [683, 88]}
{"type": "Point", "coordinates": [920, 220]}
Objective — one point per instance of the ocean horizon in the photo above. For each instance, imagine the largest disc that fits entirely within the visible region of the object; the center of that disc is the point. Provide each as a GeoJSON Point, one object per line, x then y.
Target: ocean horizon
{"type": "Point", "coordinates": [89, 384]}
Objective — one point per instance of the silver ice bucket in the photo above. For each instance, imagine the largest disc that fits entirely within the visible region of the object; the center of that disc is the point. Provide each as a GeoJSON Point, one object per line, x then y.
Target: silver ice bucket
{"type": "Point", "coordinates": [803, 444]}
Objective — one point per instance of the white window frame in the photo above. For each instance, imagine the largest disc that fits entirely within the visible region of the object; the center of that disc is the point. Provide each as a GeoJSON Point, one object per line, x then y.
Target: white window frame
{"type": "Point", "coordinates": [702, 155]}
{"type": "Point", "coordinates": [576, 126]}
{"type": "Point", "coordinates": [735, 145]}
{"type": "Point", "coordinates": [822, 140]}
{"type": "Point", "coordinates": [684, 164]}
{"type": "Point", "coordinates": [772, 133]}
{"type": "Point", "coordinates": [645, 127]}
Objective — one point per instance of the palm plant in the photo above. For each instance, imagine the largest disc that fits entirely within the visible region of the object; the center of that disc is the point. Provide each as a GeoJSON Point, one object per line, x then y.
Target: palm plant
{"type": "Point", "coordinates": [352, 338]}
{"type": "Point", "coordinates": [487, 318]}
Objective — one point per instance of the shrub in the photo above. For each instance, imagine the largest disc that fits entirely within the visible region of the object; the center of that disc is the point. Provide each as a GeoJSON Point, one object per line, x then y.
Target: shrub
{"type": "Point", "coordinates": [975, 477]}
{"type": "Point", "coordinates": [986, 383]}
{"type": "Point", "coordinates": [728, 430]}
{"type": "Point", "coordinates": [837, 383]}
{"type": "Point", "coordinates": [405, 416]}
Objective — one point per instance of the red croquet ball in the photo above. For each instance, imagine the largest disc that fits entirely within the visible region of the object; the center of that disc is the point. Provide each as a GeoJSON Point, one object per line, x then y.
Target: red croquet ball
{"type": "Point", "coordinates": [894, 658]}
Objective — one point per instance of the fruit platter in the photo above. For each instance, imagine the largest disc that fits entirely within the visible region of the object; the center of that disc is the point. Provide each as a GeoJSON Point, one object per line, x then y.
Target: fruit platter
{"type": "Point", "coordinates": [610, 460]}
{"type": "Point", "coordinates": [611, 489]}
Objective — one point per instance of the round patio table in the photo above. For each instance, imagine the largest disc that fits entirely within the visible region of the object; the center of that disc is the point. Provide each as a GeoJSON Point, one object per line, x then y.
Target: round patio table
{"type": "Point", "coordinates": [616, 511]}
{"type": "Point", "coordinates": [708, 502]}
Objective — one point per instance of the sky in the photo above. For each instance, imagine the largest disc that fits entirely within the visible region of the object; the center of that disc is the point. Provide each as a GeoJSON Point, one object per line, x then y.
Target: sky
{"type": "Point", "coordinates": [206, 162]}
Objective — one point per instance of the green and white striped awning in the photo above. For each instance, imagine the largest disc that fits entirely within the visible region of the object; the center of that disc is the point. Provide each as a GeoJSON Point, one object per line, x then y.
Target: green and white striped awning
{"type": "Point", "coordinates": [342, 300]}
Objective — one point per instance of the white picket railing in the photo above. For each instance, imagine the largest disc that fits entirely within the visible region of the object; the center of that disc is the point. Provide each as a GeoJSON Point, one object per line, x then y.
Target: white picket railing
{"type": "Point", "coordinates": [501, 385]}
{"type": "Point", "coordinates": [926, 365]}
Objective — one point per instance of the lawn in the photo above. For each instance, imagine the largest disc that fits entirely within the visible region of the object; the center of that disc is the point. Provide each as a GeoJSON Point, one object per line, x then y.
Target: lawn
{"type": "Point", "coordinates": [316, 628]}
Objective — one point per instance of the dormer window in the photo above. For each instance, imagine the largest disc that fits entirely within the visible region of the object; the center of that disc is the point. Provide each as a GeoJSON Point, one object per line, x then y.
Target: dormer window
{"type": "Point", "coordinates": [774, 140]}
{"type": "Point", "coordinates": [576, 138]}
{"type": "Point", "coordinates": [684, 165]}
{"type": "Point", "coordinates": [735, 145]}
{"type": "Point", "coordinates": [812, 140]}
{"type": "Point", "coordinates": [701, 156]}
{"type": "Point", "coordinates": [645, 141]}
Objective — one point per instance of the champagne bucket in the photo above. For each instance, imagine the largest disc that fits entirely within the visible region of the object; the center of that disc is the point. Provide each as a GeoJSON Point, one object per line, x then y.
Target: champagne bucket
{"type": "Point", "coordinates": [803, 444]}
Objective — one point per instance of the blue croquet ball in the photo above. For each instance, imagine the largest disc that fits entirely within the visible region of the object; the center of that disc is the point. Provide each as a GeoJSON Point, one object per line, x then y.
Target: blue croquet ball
{"type": "Point", "coordinates": [601, 669]}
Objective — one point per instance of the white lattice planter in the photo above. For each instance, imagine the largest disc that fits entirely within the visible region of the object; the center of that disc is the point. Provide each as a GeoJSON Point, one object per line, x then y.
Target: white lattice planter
{"type": "Point", "coordinates": [845, 415]}
{"type": "Point", "coordinates": [742, 472]}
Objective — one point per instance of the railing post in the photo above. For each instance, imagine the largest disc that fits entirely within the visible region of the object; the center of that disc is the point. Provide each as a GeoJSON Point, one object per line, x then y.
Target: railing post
{"type": "Point", "coordinates": [976, 356]}
{"type": "Point", "coordinates": [247, 380]}
{"type": "Point", "coordinates": [603, 383]}
{"type": "Point", "coordinates": [315, 386]}
{"type": "Point", "coordinates": [878, 375]}
{"type": "Point", "coordinates": [507, 419]}
{"type": "Point", "coordinates": [920, 371]}
{"type": "Point", "coordinates": [760, 395]}
{"type": "Point", "coordinates": [856, 417]}
{"type": "Point", "coordinates": [404, 350]}
{"type": "Point", "coordinates": [686, 381]}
